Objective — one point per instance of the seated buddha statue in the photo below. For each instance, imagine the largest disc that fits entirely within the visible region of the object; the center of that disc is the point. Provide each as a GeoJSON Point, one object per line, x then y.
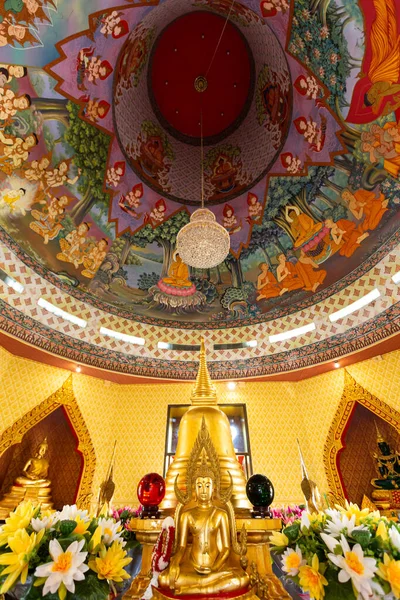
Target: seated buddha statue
{"type": "Point", "coordinates": [178, 273]}
{"type": "Point", "coordinates": [387, 465]}
{"type": "Point", "coordinates": [208, 564]}
{"type": "Point", "coordinates": [36, 469]}
{"type": "Point", "coordinates": [32, 484]}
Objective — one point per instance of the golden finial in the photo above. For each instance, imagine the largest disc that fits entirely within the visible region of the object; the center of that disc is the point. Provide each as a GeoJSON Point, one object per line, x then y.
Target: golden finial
{"type": "Point", "coordinates": [379, 436]}
{"type": "Point", "coordinates": [303, 464]}
{"type": "Point", "coordinates": [204, 392]}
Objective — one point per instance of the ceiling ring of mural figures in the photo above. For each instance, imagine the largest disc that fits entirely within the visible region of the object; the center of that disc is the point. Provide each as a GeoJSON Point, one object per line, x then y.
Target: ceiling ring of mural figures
{"type": "Point", "coordinates": [100, 166]}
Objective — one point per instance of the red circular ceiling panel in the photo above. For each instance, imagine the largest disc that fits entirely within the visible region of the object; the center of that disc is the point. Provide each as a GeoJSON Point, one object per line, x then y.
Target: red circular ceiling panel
{"type": "Point", "coordinates": [183, 52]}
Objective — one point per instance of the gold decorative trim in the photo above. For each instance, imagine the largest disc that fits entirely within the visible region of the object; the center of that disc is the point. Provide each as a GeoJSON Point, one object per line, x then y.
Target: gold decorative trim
{"type": "Point", "coordinates": [352, 392]}
{"type": "Point", "coordinates": [64, 397]}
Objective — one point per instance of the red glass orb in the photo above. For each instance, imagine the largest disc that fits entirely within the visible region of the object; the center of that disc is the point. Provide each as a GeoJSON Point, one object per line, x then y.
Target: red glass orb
{"type": "Point", "coordinates": [151, 489]}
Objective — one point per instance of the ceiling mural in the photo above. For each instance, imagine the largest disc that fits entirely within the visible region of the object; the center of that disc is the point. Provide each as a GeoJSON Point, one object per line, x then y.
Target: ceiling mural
{"type": "Point", "coordinates": [101, 114]}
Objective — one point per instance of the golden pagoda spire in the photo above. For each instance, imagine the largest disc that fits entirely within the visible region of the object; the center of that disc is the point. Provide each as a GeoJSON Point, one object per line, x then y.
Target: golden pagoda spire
{"type": "Point", "coordinates": [379, 436]}
{"type": "Point", "coordinates": [204, 392]}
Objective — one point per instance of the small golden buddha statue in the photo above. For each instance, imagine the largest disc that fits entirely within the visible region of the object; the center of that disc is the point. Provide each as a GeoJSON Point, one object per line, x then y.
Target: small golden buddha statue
{"type": "Point", "coordinates": [31, 485]}
{"type": "Point", "coordinates": [208, 565]}
{"type": "Point", "coordinates": [178, 273]}
{"type": "Point", "coordinates": [36, 469]}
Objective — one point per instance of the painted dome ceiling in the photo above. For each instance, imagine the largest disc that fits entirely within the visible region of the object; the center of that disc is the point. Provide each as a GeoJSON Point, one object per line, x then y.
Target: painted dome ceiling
{"type": "Point", "coordinates": [102, 109]}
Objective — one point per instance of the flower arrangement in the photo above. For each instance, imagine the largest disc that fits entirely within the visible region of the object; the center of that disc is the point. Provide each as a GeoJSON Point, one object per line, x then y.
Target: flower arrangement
{"type": "Point", "coordinates": [342, 553]}
{"type": "Point", "coordinates": [125, 517]}
{"type": "Point", "coordinates": [288, 514]}
{"type": "Point", "coordinates": [68, 555]}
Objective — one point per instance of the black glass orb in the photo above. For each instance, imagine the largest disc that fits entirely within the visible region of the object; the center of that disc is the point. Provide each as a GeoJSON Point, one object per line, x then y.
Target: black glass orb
{"type": "Point", "coordinates": [260, 491]}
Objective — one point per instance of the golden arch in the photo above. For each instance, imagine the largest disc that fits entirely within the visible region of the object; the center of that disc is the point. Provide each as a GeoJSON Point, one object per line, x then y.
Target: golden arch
{"type": "Point", "coordinates": [64, 396]}
{"type": "Point", "coordinates": [352, 392]}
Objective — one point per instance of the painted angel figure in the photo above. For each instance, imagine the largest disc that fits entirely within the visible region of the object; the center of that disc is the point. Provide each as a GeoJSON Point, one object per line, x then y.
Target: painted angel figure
{"type": "Point", "coordinates": [378, 91]}
{"type": "Point", "coordinates": [291, 163]}
{"type": "Point", "coordinates": [130, 202]}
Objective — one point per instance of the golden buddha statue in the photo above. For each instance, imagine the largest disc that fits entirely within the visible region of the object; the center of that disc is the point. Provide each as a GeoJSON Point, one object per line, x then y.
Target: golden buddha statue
{"type": "Point", "coordinates": [309, 488]}
{"type": "Point", "coordinates": [204, 405]}
{"type": "Point", "coordinates": [208, 565]}
{"type": "Point", "coordinates": [31, 485]}
{"type": "Point", "coordinates": [178, 273]}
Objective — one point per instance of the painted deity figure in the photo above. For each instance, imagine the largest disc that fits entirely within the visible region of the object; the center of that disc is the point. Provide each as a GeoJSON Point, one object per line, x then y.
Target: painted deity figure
{"type": "Point", "coordinates": [131, 201]}
{"type": "Point", "coordinates": [11, 197]}
{"type": "Point", "coordinates": [157, 215]}
{"type": "Point", "coordinates": [14, 151]}
{"type": "Point", "coordinates": [302, 227]}
{"type": "Point", "coordinates": [72, 247]}
{"type": "Point", "coordinates": [254, 207]}
{"type": "Point", "coordinates": [10, 104]}
{"type": "Point", "coordinates": [366, 205]}
{"type": "Point", "coordinates": [95, 257]}
{"type": "Point", "coordinates": [47, 222]}
{"type": "Point", "coordinates": [115, 173]}
{"type": "Point", "coordinates": [313, 133]}
{"type": "Point", "coordinates": [178, 273]}
{"type": "Point", "coordinates": [291, 163]}
{"type": "Point", "coordinates": [36, 170]}
{"type": "Point", "coordinates": [230, 221]}
{"type": "Point", "coordinates": [59, 176]}
{"type": "Point", "coordinates": [307, 86]}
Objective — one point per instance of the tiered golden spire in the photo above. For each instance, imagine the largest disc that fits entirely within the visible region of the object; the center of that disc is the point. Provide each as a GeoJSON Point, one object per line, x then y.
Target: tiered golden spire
{"type": "Point", "coordinates": [379, 436]}
{"type": "Point", "coordinates": [204, 392]}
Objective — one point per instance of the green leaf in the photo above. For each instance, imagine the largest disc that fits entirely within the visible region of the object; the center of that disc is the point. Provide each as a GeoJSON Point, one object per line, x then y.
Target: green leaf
{"type": "Point", "coordinates": [91, 588]}
{"type": "Point", "coordinates": [362, 537]}
{"type": "Point", "coordinates": [334, 589]}
{"type": "Point", "coordinates": [67, 527]}
{"type": "Point", "coordinates": [292, 532]}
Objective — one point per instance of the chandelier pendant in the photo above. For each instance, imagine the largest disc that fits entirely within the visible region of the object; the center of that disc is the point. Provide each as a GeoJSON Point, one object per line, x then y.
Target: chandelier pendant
{"type": "Point", "coordinates": [203, 243]}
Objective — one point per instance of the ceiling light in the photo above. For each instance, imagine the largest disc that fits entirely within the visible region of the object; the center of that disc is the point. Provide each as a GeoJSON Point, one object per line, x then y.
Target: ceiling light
{"type": "Point", "coordinates": [360, 303]}
{"type": "Point", "coordinates": [78, 369]}
{"type": "Point", "coordinates": [203, 243]}
{"type": "Point", "coordinates": [231, 385]}
{"type": "Point", "coordinates": [123, 337]}
{"type": "Point", "coordinates": [251, 343]}
{"type": "Point", "coordinates": [11, 282]}
{"type": "Point", "coordinates": [396, 277]}
{"type": "Point", "coordinates": [163, 345]}
{"type": "Point", "coordinates": [286, 335]}
{"type": "Point", "coordinates": [59, 312]}
{"type": "Point", "coordinates": [336, 365]}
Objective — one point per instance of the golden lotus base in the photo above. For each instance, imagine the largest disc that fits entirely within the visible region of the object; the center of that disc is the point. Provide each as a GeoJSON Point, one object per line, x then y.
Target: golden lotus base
{"type": "Point", "coordinates": [259, 559]}
{"type": "Point", "coordinates": [386, 501]}
{"type": "Point", "coordinates": [17, 494]}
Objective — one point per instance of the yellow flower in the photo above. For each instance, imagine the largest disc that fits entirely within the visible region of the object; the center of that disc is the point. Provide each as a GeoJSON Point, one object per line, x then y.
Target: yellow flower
{"type": "Point", "coordinates": [19, 519]}
{"type": "Point", "coordinates": [17, 561]}
{"type": "Point", "coordinates": [389, 570]}
{"type": "Point", "coordinates": [382, 531]}
{"type": "Point", "coordinates": [278, 539]}
{"type": "Point", "coordinates": [351, 509]}
{"type": "Point", "coordinates": [311, 580]}
{"type": "Point", "coordinates": [110, 563]}
{"type": "Point", "coordinates": [96, 538]}
{"type": "Point", "coordinates": [81, 525]}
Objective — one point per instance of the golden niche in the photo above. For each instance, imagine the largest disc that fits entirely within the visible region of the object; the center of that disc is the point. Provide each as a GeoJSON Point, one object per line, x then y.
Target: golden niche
{"type": "Point", "coordinates": [209, 566]}
{"type": "Point", "coordinates": [31, 485]}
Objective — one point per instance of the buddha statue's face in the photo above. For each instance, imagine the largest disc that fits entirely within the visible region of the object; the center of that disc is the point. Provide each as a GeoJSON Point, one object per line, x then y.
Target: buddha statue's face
{"type": "Point", "coordinates": [41, 451]}
{"type": "Point", "coordinates": [204, 489]}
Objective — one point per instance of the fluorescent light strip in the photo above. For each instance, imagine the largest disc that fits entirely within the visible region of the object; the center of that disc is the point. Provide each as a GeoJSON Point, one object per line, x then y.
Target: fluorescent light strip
{"type": "Point", "coordinates": [61, 313]}
{"type": "Point", "coordinates": [123, 337]}
{"type": "Point", "coordinates": [360, 303]}
{"type": "Point", "coordinates": [286, 335]}
{"type": "Point", "coordinates": [11, 282]}
{"type": "Point", "coordinates": [251, 344]}
{"type": "Point", "coordinates": [396, 277]}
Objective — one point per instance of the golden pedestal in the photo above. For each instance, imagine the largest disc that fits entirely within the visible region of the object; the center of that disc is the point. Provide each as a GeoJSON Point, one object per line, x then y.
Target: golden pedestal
{"type": "Point", "coordinates": [258, 531]}
{"type": "Point", "coordinates": [17, 494]}
{"type": "Point", "coordinates": [250, 595]}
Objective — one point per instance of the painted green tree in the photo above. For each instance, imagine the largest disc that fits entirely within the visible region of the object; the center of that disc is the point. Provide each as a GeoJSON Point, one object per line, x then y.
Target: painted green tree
{"type": "Point", "coordinates": [164, 235]}
{"type": "Point", "coordinates": [90, 147]}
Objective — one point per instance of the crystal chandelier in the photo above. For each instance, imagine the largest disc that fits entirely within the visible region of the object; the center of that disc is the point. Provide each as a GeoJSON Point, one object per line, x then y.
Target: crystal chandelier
{"type": "Point", "coordinates": [203, 243]}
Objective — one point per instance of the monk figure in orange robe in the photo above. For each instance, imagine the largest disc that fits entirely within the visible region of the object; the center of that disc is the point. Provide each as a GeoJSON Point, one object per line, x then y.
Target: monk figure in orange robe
{"type": "Point", "coordinates": [287, 276]}
{"type": "Point", "coordinates": [267, 285]}
{"type": "Point", "coordinates": [346, 236]}
{"type": "Point", "coordinates": [309, 273]}
{"type": "Point", "coordinates": [363, 203]}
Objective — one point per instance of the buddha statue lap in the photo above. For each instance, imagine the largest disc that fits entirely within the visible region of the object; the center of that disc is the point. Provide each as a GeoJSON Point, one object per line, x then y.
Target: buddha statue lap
{"type": "Point", "coordinates": [208, 565]}
{"type": "Point", "coordinates": [33, 484]}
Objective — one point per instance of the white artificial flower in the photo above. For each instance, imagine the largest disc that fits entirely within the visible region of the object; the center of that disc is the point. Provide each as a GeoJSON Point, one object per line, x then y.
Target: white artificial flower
{"type": "Point", "coordinates": [66, 567]}
{"type": "Point", "coordinates": [333, 512]}
{"type": "Point", "coordinates": [355, 566]}
{"type": "Point", "coordinates": [342, 524]}
{"type": "Point", "coordinates": [47, 522]}
{"type": "Point", "coordinates": [394, 536]}
{"type": "Point", "coordinates": [330, 541]}
{"type": "Point", "coordinates": [292, 560]}
{"type": "Point", "coordinates": [305, 520]}
{"type": "Point", "coordinates": [71, 513]}
{"type": "Point", "coordinates": [111, 531]}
